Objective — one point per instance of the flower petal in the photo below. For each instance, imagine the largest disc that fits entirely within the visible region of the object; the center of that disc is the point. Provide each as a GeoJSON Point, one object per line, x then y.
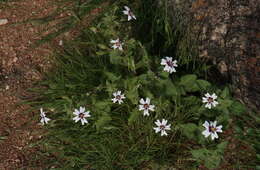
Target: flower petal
{"type": "Point", "coordinates": [147, 100]}
{"type": "Point", "coordinates": [157, 129]}
{"type": "Point", "coordinates": [214, 124]}
{"type": "Point", "coordinates": [163, 62]}
{"type": "Point", "coordinates": [208, 105]}
{"type": "Point", "coordinates": [206, 124]}
{"type": "Point", "coordinates": [158, 123]}
{"type": "Point", "coordinates": [146, 113]}
{"type": "Point", "coordinates": [168, 127]}
{"type": "Point", "coordinates": [164, 122]}
{"type": "Point", "coordinates": [219, 128]}
{"type": "Point", "coordinates": [151, 107]}
{"type": "Point", "coordinates": [127, 8]}
{"type": "Point", "coordinates": [82, 121]}
{"type": "Point", "coordinates": [163, 133]}
{"type": "Point", "coordinates": [114, 100]}
{"type": "Point", "coordinates": [206, 133]}
{"type": "Point", "coordinates": [214, 135]}
{"type": "Point", "coordinates": [141, 107]}
{"type": "Point", "coordinates": [207, 95]}
{"type": "Point", "coordinates": [214, 96]}
{"type": "Point", "coordinates": [142, 101]}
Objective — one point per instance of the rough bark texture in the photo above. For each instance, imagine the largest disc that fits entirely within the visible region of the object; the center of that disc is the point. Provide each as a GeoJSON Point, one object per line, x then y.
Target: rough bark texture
{"type": "Point", "coordinates": [229, 32]}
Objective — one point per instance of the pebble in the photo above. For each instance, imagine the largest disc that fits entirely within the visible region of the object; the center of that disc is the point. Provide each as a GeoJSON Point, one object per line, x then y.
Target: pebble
{"type": "Point", "coordinates": [3, 21]}
{"type": "Point", "coordinates": [7, 87]}
{"type": "Point", "coordinates": [60, 43]}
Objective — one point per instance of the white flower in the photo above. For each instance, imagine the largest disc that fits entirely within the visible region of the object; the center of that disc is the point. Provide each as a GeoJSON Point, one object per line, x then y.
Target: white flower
{"type": "Point", "coordinates": [81, 115]}
{"type": "Point", "coordinates": [145, 106]}
{"type": "Point", "coordinates": [169, 65]}
{"type": "Point", "coordinates": [162, 127]}
{"type": "Point", "coordinates": [44, 119]}
{"type": "Point", "coordinates": [118, 97]}
{"type": "Point", "coordinates": [210, 100]}
{"type": "Point", "coordinates": [117, 44]}
{"type": "Point", "coordinates": [211, 129]}
{"type": "Point", "coordinates": [129, 13]}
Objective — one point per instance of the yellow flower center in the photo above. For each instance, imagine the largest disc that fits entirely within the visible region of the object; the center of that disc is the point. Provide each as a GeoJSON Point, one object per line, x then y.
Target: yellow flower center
{"type": "Point", "coordinates": [212, 129]}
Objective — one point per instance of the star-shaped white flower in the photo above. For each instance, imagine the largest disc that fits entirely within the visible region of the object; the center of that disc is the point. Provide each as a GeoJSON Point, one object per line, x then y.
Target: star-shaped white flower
{"type": "Point", "coordinates": [162, 127]}
{"type": "Point", "coordinates": [129, 13]}
{"type": "Point", "coordinates": [146, 106]}
{"type": "Point", "coordinates": [118, 97]}
{"type": "Point", "coordinates": [169, 65]}
{"type": "Point", "coordinates": [81, 115]}
{"type": "Point", "coordinates": [44, 119]}
{"type": "Point", "coordinates": [117, 44]}
{"type": "Point", "coordinates": [210, 100]}
{"type": "Point", "coordinates": [211, 129]}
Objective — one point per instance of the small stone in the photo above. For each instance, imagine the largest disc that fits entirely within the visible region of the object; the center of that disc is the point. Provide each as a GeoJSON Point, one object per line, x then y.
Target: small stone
{"type": "Point", "coordinates": [7, 87]}
{"type": "Point", "coordinates": [15, 59]}
{"type": "Point", "coordinates": [60, 43]}
{"type": "Point", "coordinates": [3, 21]}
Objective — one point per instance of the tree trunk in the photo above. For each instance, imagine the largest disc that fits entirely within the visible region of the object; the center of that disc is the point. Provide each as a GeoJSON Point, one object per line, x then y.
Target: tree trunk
{"type": "Point", "coordinates": [229, 32]}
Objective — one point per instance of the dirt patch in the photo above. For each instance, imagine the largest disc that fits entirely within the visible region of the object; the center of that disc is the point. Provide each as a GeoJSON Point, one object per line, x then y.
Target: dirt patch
{"type": "Point", "coordinates": [20, 66]}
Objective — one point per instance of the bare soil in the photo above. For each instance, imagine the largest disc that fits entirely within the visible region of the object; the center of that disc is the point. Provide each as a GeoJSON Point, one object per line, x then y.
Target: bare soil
{"type": "Point", "coordinates": [20, 66]}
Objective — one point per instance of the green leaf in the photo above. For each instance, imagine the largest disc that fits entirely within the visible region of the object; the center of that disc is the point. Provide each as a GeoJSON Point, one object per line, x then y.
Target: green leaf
{"type": "Point", "coordinates": [225, 93]}
{"type": "Point", "coordinates": [203, 84]}
{"type": "Point", "coordinates": [102, 46]}
{"type": "Point", "coordinates": [103, 121]}
{"type": "Point", "coordinates": [115, 57]}
{"type": "Point", "coordinates": [102, 106]}
{"type": "Point", "coordinates": [132, 95]}
{"type": "Point", "coordinates": [170, 88]}
{"type": "Point", "coordinates": [112, 76]}
{"type": "Point", "coordinates": [144, 79]}
{"type": "Point", "coordinates": [133, 116]}
{"type": "Point", "coordinates": [164, 74]}
{"type": "Point", "coordinates": [100, 53]}
{"type": "Point", "coordinates": [188, 80]}
{"type": "Point", "coordinates": [189, 130]}
{"type": "Point", "coordinates": [225, 103]}
{"type": "Point", "coordinates": [222, 146]}
{"type": "Point", "coordinates": [193, 88]}
{"type": "Point", "coordinates": [200, 154]}
{"type": "Point", "coordinates": [189, 83]}
{"type": "Point", "coordinates": [210, 158]}
{"type": "Point", "coordinates": [213, 160]}
{"type": "Point", "coordinates": [237, 108]}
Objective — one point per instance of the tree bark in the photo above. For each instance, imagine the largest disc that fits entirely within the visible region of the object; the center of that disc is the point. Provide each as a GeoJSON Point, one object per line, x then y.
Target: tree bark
{"type": "Point", "coordinates": [229, 32]}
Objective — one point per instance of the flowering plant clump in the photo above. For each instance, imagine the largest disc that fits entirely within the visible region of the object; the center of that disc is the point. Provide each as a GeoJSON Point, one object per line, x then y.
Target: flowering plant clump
{"type": "Point", "coordinates": [121, 133]}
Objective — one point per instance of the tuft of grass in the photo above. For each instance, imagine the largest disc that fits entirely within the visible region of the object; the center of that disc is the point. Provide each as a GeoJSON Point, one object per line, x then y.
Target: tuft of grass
{"type": "Point", "coordinates": [87, 72]}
